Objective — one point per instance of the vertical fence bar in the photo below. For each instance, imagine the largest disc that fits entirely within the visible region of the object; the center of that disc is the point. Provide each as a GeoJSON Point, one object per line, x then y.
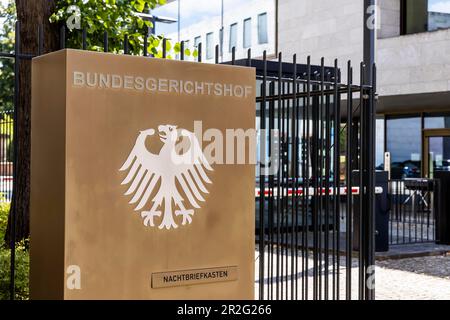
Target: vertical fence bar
{"type": "Point", "coordinates": [337, 192]}
{"type": "Point", "coordinates": [84, 39]}
{"type": "Point", "coordinates": [362, 183]}
{"type": "Point", "coordinates": [285, 181]}
{"type": "Point", "coordinates": [145, 49]}
{"type": "Point", "coordinates": [294, 187]}
{"type": "Point", "coordinates": [315, 177]}
{"type": "Point", "coordinates": [62, 37]}
{"type": "Point", "coordinates": [182, 50]}
{"type": "Point", "coordinates": [278, 184]}
{"type": "Point", "coordinates": [262, 115]}
{"type": "Point", "coordinates": [327, 190]}
{"type": "Point", "coordinates": [13, 208]}
{"type": "Point", "coordinates": [282, 109]}
{"type": "Point", "coordinates": [164, 48]}
{"type": "Point", "coordinates": [233, 55]}
{"type": "Point", "coordinates": [40, 39]}
{"type": "Point", "coordinates": [348, 164]}
{"type": "Point", "coordinates": [199, 50]}
{"type": "Point", "coordinates": [216, 54]}
{"type": "Point", "coordinates": [307, 181]}
{"type": "Point", "coordinates": [370, 234]}
{"type": "Point", "coordinates": [105, 41]}
{"type": "Point", "coordinates": [125, 44]}
{"type": "Point", "coordinates": [272, 156]}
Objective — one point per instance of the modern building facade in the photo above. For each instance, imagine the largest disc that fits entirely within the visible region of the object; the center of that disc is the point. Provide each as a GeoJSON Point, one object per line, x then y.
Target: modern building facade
{"type": "Point", "coordinates": [412, 55]}
{"type": "Point", "coordinates": [228, 23]}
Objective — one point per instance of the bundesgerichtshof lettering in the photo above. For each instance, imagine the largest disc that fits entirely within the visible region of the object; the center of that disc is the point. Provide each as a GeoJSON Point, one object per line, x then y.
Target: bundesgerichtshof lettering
{"type": "Point", "coordinates": [158, 85]}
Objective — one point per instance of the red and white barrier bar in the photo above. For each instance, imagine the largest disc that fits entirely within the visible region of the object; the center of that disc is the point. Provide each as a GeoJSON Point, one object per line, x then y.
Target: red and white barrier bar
{"type": "Point", "coordinates": [311, 191]}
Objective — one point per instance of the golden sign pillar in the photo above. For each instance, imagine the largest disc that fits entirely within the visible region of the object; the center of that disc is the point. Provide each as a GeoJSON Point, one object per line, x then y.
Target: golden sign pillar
{"type": "Point", "coordinates": [138, 188]}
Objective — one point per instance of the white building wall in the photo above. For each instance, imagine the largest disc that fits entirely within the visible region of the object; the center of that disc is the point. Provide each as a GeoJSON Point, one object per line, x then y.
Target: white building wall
{"type": "Point", "coordinates": [389, 18]}
{"type": "Point", "coordinates": [411, 64]}
{"type": "Point", "coordinates": [322, 28]}
{"type": "Point", "coordinates": [417, 63]}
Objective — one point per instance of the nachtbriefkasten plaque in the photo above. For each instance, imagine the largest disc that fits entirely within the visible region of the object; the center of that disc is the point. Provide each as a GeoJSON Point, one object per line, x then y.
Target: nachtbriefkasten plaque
{"type": "Point", "coordinates": [142, 178]}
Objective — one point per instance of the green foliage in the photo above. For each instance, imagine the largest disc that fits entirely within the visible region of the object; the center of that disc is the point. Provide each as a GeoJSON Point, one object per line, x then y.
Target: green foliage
{"type": "Point", "coordinates": [8, 13]}
{"type": "Point", "coordinates": [22, 262]}
{"type": "Point", "coordinates": [118, 18]}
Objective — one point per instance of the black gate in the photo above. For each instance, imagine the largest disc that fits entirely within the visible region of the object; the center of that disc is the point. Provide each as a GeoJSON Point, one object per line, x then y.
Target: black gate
{"type": "Point", "coordinates": [311, 242]}
{"type": "Point", "coordinates": [315, 213]}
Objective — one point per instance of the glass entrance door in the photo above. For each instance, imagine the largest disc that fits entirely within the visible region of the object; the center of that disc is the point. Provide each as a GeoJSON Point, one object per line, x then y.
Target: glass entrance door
{"type": "Point", "coordinates": [436, 151]}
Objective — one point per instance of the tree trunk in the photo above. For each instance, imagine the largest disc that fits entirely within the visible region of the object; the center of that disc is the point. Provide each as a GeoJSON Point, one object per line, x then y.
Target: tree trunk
{"type": "Point", "coordinates": [30, 14]}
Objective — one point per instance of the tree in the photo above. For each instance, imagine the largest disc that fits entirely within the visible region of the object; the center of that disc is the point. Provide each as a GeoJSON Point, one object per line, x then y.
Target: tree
{"type": "Point", "coordinates": [30, 14]}
{"type": "Point", "coordinates": [117, 17]}
{"type": "Point", "coordinates": [8, 13]}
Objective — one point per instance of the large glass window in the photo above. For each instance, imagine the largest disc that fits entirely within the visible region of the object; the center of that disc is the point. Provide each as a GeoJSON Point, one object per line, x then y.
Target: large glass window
{"type": "Point", "coordinates": [209, 45]}
{"type": "Point", "coordinates": [247, 33]}
{"type": "Point", "coordinates": [197, 41]}
{"type": "Point", "coordinates": [233, 36]}
{"type": "Point", "coordinates": [379, 140]}
{"type": "Point", "coordinates": [262, 28]}
{"type": "Point", "coordinates": [424, 15]}
{"type": "Point", "coordinates": [439, 121]}
{"type": "Point", "coordinates": [404, 136]}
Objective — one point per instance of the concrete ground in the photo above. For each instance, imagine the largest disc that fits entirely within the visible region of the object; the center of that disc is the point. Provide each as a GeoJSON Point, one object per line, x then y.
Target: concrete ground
{"type": "Point", "coordinates": [422, 278]}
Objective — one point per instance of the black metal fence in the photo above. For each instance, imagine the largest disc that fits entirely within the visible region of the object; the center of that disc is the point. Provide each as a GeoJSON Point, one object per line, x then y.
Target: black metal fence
{"type": "Point", "coordinates": [6, 155]}
{"type": "Point", "coordinates": [413, 210]}
{"type": "Point", "coordinates": [303, 250]}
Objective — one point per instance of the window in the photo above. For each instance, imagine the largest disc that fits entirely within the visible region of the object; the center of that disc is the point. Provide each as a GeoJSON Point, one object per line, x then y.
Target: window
{"type": "Point", "coordinates": [209, 45]}
{"type": "Point", "coordinates": [262, 28]}
{"type": "Point", "coordinates": [187, 44]}
{"type": "Point", "coordinates": [424, 15]}
{"type": "Point", "coordinates": [197, 41]}
{"type": "Point", "coordinates": [403, 141]}
{"type": "Point", "coordinates": [437, 121]}
{"type": "Point", "coordinates": [247, 33]}
{"type": "Point", "coordinates": [379, 144]}
{"type": "Point", "coordinates": [221, 41]}
{"type": "Point", "coordinates": [233, 36]}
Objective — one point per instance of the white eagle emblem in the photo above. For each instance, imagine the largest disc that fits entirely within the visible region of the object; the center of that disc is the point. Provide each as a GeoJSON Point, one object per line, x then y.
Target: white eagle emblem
{"type": "Point", "coordinates": [170, 170]}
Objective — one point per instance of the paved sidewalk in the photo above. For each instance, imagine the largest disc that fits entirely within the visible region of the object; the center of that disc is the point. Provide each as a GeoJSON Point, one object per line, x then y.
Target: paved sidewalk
{"type": "Point", "coordinates": [394, 284]}
{"type": "Point", "coordinates": [425, 278]}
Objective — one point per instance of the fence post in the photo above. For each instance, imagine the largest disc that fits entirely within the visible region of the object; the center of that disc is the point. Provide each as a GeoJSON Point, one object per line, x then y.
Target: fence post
{"type": "Point", "coordinates": [13, 207]}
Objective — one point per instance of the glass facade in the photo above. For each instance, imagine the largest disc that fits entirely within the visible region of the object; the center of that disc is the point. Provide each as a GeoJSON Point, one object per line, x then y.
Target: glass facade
{"type": "Point", "coordinates": [425, 15]}
{"type": "Point", "coordinates": [403, 141]}
{"type": "Point", "coordinates": [439, 154]}
{"type": "Point", "coordinates": [233, 36]}
{"type": "Point", "coordinates": [209, 45]}
{"type": "Point", "coordinates": [262, 28]}
{"type": "Point", "coordinates": [437, 121]}
{"type": "Point", "coordinates": [379, 148]}
{"type": "Point", "coordinates": [247, 42]}
{"type": "Point", "coordinates": [234, 23]}
{"type": "Point", "coordinates": [197, 41]}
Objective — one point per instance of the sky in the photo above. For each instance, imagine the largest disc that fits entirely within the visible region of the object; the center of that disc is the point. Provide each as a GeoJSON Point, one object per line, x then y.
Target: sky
{"type": "Point", "coordinates": [439, 5]}
{"type": "Point", "coordinates": [194, 10]}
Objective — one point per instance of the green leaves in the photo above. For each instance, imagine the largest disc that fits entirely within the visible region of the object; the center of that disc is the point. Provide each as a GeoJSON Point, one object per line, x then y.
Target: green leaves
{"type": "Point", "coordinates": [139, 5]}
{"type": "Point", "coordinates": [118, 18]}
{"type": "Point", "coordinates": [7, 34]}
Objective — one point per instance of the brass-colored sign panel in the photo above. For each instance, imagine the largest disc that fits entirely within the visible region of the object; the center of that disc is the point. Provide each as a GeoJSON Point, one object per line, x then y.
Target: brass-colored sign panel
{"type": "Point", "coordinates": [124, 184]}
{"type": "Point", "coordinates": [191, 277]}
